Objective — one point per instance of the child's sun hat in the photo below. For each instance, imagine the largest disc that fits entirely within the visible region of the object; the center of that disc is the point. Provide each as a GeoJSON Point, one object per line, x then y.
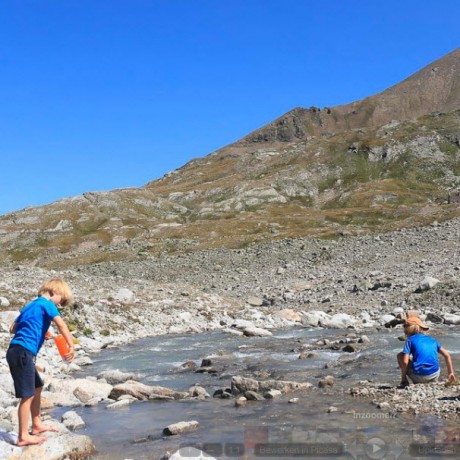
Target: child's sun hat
{"type": "Point", "coordinates": [417, 321]}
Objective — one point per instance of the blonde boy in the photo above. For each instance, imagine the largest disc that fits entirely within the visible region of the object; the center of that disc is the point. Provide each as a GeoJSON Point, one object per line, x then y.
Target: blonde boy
{"type": "Point", "coordinates": [419, 360]}
{"type": "Point", "coordinates": [29, 330]}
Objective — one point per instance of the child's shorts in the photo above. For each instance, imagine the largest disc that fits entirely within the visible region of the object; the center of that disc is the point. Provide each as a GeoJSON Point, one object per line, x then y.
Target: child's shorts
{"type": "Point", "coordinates": [416, 378]}
{"type": "Point", "coordinates": [22, 367]}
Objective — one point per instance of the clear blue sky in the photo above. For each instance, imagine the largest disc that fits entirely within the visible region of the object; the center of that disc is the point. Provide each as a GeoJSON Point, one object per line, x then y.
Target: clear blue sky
{"type": "Point", "coordinates": [104, 94]}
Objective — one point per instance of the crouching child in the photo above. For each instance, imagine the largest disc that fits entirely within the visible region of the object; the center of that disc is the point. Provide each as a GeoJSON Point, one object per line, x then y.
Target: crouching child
{"type": "Point", "coordinates": [419, 360]}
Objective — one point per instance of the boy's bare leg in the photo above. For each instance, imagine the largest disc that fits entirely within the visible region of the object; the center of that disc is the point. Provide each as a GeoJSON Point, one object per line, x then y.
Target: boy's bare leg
{"type": "Point", "coordinates": [37, 425]}
{"type": "Point", "coordinates": [24, 438]}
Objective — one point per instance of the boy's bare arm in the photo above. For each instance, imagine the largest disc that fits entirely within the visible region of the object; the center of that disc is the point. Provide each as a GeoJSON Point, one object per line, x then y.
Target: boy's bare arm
{"type": "Point", "coordinates": [13, 328]}
{"type": "Point", "coordinates": [64, 330]}
{"type": "Point", "coordinates": [450, 367]}
{"type": "Point", "coordinates": [404, 363]}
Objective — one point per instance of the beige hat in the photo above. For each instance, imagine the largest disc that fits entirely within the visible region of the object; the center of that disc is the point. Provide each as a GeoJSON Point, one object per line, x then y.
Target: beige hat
{"type": "Point", "coordinates": [417, 321]}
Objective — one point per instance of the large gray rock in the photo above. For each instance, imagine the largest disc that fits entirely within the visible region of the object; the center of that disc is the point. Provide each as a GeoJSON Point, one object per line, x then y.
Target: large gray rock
{"type": "Point", "coordinates": [89, 388]}
{"type": "Point", "coordinates": [256, 332]}
{"type": "Point", "coordinates": [427, 283]}
{"type": "Point", "coordinates": [63, 446]}
{"type": "Point", "coordinates": [142, 392]}
{"type": "Point", "coordinates": [72, 421]}
{"type": "Point", "coordinates": [181, 427]}
{"type": "Point", "coordinates": [450, 318]}
{"type": "Point", "coordinates": [91, 344]}
{"type": "Point", "coordinates": [116, 376]}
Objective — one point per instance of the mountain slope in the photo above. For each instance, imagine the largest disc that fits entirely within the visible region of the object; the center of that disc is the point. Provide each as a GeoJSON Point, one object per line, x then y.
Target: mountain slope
{"type": "Point", "coordinates": [323, 174]}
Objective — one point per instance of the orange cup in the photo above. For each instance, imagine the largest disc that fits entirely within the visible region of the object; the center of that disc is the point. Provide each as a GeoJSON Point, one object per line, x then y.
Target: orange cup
{"type": "Point", "coordinates": [61, 344]}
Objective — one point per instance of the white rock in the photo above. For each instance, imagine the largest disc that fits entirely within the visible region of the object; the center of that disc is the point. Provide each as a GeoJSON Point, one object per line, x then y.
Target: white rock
{"type": "Point", "coordinates": [428, 283]}
{"type": "Point", "coordinates": [72, 420]}
{"type": "Point", "coordinates": [59, 447]}
{"type": "Point", "coordinates": [181, 427]}
{"type": "Point", "coordinates": [339, 321]}
{"type": "Point", "coordinates": [450, 318]}
{"type": "Point", "coordinates": [119, 404]}
{"type": "Point", "coordinates": [124, 295]}
{"type": "Point", "coordinates": [90, 344]}
{"type": "Point", "coordinates": [116, 376]}
{"type": "Point", "coordinates": [313, 318]}
{"type": "Point", "coordinates": [256, 332]}
{"type": "Point", "coordinates": [4, 302]}
{"type": "Point", "coordinates": [386, 319]}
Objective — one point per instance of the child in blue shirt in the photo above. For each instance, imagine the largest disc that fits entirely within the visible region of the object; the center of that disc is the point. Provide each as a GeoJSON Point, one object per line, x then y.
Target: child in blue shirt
{"type": "Point", "coordinates": [419, 359]}
{"type": "Point", "coordinates": [29, 329]}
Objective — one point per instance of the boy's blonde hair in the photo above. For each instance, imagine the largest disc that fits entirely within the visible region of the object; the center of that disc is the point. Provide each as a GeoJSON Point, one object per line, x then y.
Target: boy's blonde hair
{"type": "Point", "coordinates": [412, 329]}
{"type": "Point", "coordinates": [413, 324]}
{"type": "Point", "coordinates": [57, 286]}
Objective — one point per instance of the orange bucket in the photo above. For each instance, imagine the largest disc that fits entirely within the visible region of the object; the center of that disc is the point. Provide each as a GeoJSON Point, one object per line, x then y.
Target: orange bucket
{"type": "Point", "coordinates": [61, 344]}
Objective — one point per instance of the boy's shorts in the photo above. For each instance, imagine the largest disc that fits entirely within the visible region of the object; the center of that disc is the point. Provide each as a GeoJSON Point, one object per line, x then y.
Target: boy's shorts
{"type": "Point", "coordinates": [416, 378]}
{"type": "Point", "coordinates": [22, 368]}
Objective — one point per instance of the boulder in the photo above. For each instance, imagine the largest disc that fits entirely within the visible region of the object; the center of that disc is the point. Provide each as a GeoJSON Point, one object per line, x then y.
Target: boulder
{"type": "Point", "coordinates": [91, 345]}
{"type": "Point", "coordinates": [116, 376]}
{"type": "Point", "coordinates": [59, 447]}
{"type": "Point", "coordinates": [427, 283]}
{"type": "Point", "coordinates": [253, 396]}
{"type": "Point", "coordinates": [87, 389]}
{"type": "Point", "coordinates": [181, 427]}
{"type": "Point", "coordinates": [119, 404]}
{"type": "Point", "coordinates": [450, 318]}
{"type": "Point", "coordinates": [198, 392]}
{"type": "Point", "coordinates": [339, 321]}
{"type": "Point", "coordinates": [256, 332]}
{"type": "Point", "coordinates": [313, 318]}
{"type": "Point", "coordinates": [142, 392]}
{"type": "Point", "coordinates": [72, 421]}
{"type": "Point", "coordinates": [273, 394]}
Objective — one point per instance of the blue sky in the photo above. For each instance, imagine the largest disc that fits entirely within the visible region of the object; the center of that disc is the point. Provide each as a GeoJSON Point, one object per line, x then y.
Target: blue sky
{"type": "Point", "coordinates": [105, 94]}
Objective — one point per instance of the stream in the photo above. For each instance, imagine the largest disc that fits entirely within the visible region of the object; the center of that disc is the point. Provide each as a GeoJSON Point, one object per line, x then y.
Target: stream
{"type": "Point", "coordinates": [357, 429]}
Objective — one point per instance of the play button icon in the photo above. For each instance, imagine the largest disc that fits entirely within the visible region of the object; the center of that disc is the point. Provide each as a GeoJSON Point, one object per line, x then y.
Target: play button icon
{"type": "Point", "coordinates": [375, 448]}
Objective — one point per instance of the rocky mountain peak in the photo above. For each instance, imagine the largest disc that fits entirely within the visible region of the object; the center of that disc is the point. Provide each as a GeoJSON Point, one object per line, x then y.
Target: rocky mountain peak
{"type": "Point", "coordinates": [435, 88]}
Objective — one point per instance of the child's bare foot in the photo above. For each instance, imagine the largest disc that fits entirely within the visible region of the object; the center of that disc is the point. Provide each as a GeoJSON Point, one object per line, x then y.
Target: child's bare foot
{"type": "Point", "coordinates": [31, 440]}
{"type": "Point", "coordinates": [37, 429]}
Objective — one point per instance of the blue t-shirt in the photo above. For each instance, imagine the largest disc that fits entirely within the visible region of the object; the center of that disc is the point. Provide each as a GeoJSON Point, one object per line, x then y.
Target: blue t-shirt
{"type": "Point", "coordinates": [33, 322]}
{"type": "Point", "coordinates": [424, 350]}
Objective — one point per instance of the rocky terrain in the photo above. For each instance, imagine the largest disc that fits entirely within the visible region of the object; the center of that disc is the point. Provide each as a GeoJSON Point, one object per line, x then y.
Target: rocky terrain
{"type": "Point", "coordinates": [341, 218]}
{"type": "Point", "coordinates": [353, 283]}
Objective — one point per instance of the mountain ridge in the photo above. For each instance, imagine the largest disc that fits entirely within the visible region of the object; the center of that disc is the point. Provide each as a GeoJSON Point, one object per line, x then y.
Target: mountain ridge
{"type": "Point", "coordinates": [435, 88]}
{"type": "Point", "coordinates": [286, 179]}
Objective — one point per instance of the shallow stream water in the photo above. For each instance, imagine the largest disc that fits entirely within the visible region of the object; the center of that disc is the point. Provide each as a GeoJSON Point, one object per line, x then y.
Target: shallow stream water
{"type": "Point", "coordinates": [356, 430]}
